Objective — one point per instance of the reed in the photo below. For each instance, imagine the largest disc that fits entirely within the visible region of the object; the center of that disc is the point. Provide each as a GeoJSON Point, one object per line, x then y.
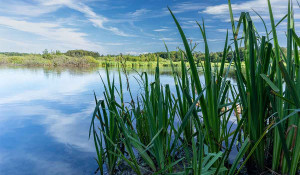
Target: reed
{"type": "Point", "coordinates": [264, 77]}
{"type": "Point", "coordinates": [141, 130]}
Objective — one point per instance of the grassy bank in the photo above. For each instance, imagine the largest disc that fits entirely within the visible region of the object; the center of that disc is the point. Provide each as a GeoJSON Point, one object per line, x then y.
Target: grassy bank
{"type": "Point", "coordinates": [85, 61]}
{"type": "Point", "coordinates": [152, 64]}
{"type": "Point", "coordinates": [188, 131]}
{"type": "Point", "coordinates": [53, 61]}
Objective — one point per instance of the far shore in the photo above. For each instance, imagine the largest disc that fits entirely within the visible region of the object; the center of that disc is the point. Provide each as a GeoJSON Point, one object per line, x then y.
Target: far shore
{"type": "Point", "coordinates": [64, 61]}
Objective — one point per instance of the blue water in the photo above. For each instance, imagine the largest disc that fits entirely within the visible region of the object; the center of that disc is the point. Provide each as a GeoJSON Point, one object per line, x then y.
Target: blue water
{"type": "Point", "coordinates": [45, 116]}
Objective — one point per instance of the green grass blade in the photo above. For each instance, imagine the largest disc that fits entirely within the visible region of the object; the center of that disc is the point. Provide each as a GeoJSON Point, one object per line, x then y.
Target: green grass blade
{"type": "Point", "coordinates": [270, 83]}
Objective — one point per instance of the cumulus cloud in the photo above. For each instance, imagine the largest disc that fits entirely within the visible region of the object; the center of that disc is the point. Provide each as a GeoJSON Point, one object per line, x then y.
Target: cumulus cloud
{"type": "Point", "coordinates": [60, 34]}
{"type": "Point", "coordinates": [69, 37]}
{"type": "Point", "coordinates": [279, 8]}
{"type": "Point", "coordinates": [40, 7]}
{"type": "Point", "coordinates": [97, 19]}
{"type": "Point", "coordinates": [34, 9]}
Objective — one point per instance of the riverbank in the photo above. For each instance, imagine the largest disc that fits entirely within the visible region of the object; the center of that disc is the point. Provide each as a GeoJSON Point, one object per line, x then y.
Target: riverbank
{"type": "Point", "coordinates": [64, 61]}
{"type": "Point", "coordinates": [53, 61]}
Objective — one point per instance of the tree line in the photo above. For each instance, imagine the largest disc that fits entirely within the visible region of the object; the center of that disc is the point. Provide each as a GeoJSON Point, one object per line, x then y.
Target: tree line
{"type": "Point", "coordinates": [174, 55]}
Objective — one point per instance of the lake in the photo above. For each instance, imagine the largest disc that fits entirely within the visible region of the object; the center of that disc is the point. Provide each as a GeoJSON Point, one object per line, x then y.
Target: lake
{"type": "Point", "coordinates": [45, 116]}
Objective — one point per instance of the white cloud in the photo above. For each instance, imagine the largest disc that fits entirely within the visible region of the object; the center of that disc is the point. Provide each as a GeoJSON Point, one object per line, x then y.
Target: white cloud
{"type": "Point", "coordinates": [96, 19]}
{"type": "Point", "coordinates": [19, 43]}
{"type": "Point", "coordinates": [166, 39]}
{"type": "Point", "coordinates": [279, 8]}
{"type": "Point", "coordinates": [40, 7]}
{"type": "Point", "coordinates": [72, 20]}
{"type": "Point", "coordinates": [135, 53]}
{"type": "Point", "coordinates": [187, 6]}
{"type": "Point", "coordinates": [139, 12]}
{"type": "Point", "coordinates": [25, 9]}
{"type": "Point", "coordinates": [69, 37]}
{"type": "Point", "coordinates": [215, 40]}
{"type": "Point", "coordinates": [258, 5]}
{"type": "Point", "coordinates": [222, 30]}
{"type": "Point", "coordinates": [56, 2]}
{"type": "Point", "coordinates": [119, 32]}
{"type": "Point", "coordinates": [180, 7]}
{"type": "Point", "coordinates": [174, 43]}
{"type": "Point", "coordinates": [161, 30]}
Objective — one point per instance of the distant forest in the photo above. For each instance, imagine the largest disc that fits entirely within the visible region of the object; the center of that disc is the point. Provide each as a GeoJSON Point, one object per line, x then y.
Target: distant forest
{"type": "Point", "coordinates": [174, 55]}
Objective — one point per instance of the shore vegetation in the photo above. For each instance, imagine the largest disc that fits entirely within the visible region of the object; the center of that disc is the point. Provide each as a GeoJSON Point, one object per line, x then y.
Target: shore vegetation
{"type": "Point", "coordinates": [190, 130]}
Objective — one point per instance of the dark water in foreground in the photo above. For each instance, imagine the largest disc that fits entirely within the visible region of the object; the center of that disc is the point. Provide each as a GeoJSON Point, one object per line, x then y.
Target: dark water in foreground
{"type": "Point", "coordinates": [45, 116]}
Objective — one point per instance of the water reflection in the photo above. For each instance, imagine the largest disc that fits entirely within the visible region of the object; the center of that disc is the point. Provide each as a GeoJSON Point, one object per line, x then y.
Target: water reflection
{"type": "Point", "coordinates": [44, 120]}
{"type": "Point", "coordinates": [45, 115]}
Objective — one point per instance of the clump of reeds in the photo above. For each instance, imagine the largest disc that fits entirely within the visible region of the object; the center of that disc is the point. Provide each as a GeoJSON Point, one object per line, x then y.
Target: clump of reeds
{"type": "Point", "coordinates": [141, 131]}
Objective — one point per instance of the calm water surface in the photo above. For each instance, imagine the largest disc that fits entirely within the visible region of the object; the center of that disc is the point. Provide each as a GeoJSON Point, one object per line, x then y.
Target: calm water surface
{"type": "Point", "coordinates": [45, 116]}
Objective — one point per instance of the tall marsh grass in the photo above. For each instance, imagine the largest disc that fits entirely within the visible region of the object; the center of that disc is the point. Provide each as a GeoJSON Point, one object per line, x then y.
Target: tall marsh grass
{"type": "Point", "coordinates": [143, 132]}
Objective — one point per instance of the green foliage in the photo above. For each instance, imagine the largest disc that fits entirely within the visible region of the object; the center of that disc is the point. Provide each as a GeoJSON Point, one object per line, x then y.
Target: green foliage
{"type": "Point", "coordinates": [13, 54]}
{"type": "Point", "coordinates": [49, 60]}
{"type": "Point", "coordinates": [81, 53]}
{"type": "Point", "coordinates": [46, 54]}
{"type": "Point", "coordinates": [265, 100]}
{"type": "Point", "coordinates": [154, 111]}
{"type": "Point", "coordinates": [16, 59]}
{"type": "Point", "coordinates": [57, 52]}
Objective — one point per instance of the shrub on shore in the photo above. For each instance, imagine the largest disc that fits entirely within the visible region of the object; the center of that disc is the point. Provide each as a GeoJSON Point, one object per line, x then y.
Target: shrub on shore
{"type": "Point", "coordinates": [54, 60]}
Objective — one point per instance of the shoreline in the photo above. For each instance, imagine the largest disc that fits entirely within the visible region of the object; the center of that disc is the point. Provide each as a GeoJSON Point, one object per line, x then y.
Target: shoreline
{"type": "Point", "coordinates": [103, 64]}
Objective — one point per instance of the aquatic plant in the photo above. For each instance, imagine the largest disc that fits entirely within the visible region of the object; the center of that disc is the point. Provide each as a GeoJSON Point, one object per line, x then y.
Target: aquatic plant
{"type": "Point", "coordinates": [188, 131]}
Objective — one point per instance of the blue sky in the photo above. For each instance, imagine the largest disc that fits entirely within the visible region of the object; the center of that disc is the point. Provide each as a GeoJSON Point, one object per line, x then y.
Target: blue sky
{"type": "Point", "coordinates": [119, 26]}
